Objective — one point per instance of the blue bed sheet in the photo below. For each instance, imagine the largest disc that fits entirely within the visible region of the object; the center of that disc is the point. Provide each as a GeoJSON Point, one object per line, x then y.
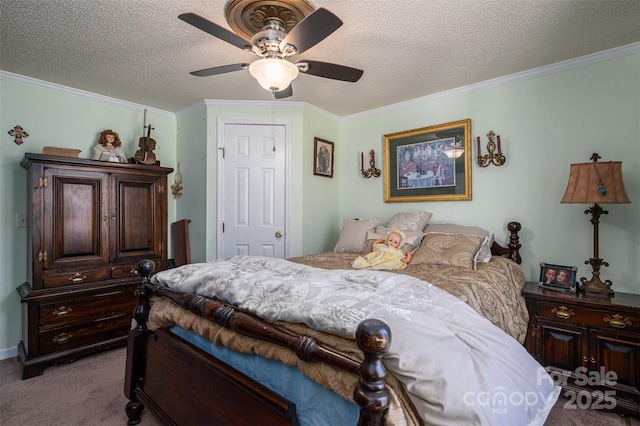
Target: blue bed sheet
{"type": "Point", "coordinates": [315, 405]}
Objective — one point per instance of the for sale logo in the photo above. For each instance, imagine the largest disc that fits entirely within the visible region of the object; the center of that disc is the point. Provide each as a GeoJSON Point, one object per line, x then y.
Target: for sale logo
{"type": "Point", "coordinates": [595, 400]}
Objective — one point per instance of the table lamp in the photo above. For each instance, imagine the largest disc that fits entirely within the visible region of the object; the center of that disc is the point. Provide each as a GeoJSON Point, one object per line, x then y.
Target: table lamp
{"type": "Point", "coordinates": [596, 183]}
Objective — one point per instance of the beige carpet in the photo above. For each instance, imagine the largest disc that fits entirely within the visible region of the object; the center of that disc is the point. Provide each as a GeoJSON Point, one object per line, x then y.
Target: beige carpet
{"type": "Point", "coordinates": [90, 392]}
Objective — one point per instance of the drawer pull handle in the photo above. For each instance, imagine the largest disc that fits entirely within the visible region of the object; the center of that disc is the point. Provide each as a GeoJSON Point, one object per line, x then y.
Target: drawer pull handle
{"type": "Point", "coordinates": [78, 278]}
{"type": "Point", "coordinates": [563, 312]}
{"type": "Point", "coordinates": [584, 358]}
{"type": "Point", "coordinates": [592, 359]}
{"type": "Point", "coordinates": [134, 271]}
{"type": "Point", "coordinates": [62, 338]}
{"type": "Point", "coordinates": [62, 311]}
{"type": "Point", "coordinates": [617, 321]}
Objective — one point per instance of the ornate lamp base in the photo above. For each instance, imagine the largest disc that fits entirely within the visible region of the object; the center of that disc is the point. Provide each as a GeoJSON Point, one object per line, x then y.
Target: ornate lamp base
{"type": "Point", "coordinates": [595, 284]}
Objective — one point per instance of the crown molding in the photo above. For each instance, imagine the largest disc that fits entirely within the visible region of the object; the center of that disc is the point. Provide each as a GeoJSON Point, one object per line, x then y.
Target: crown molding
{"type": "Point", "coordinates": [17, 78]}
{"type": "Point", "coordinates": [605, 55]}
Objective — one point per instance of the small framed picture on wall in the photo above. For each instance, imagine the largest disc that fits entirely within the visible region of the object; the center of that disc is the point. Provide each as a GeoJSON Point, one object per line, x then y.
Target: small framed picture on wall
{"type": "Point", "coordinates": [322, 157]}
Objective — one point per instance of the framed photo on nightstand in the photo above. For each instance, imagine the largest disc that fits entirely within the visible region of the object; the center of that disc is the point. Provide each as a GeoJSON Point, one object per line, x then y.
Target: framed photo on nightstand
{"type": "Point", "coordinates": [558, 277]}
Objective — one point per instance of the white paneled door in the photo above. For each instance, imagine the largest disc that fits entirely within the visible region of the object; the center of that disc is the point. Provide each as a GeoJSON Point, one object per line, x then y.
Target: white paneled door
{"type": "Point", "coordinates": [253, 190]}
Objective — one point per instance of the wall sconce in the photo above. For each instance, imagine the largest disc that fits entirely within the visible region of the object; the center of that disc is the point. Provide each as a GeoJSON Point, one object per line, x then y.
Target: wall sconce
{"type": "Point", "coordinates": [497, 159]}
{"type": "Point", "coordinates": [371, 171]}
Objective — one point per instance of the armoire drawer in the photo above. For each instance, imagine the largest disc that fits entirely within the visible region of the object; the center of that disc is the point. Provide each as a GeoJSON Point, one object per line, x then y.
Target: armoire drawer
{"type": "Point", "coordinates": [130, 270]}
{"type": "Point", "coordinates": [85, 333]}
{"type": "Point", "coordinates": [92, 307]}
{"type": "Point", "coordinates": [76, 277]}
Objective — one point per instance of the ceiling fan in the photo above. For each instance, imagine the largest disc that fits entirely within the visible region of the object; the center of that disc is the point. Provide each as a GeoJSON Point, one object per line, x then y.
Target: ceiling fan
{"type": "Point", "coordinates": [278, 30]}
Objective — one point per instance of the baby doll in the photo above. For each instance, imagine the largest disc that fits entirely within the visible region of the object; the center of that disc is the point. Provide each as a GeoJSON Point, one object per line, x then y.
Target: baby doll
{"type": "Point", "coordinates": [108, 148]}
{"type": "Point", "coordinates": [386, 254]}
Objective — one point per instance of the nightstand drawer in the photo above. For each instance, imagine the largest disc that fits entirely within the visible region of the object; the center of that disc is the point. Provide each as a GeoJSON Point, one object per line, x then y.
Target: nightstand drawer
{"type": "Point", "coordinates": [61, 338]}
{"type": "Point", "coordinates": [92, 307]}
{"type": "Point", "coordinates": [76, 277]}
{"type": "Point", "coordinates": [598, 318]}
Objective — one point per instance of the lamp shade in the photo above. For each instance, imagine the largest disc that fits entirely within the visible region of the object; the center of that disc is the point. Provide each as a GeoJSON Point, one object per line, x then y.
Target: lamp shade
{"type": "Point", "coordinates": [273, 74]}
{"type": "Point", "coordinates": [586, 181]}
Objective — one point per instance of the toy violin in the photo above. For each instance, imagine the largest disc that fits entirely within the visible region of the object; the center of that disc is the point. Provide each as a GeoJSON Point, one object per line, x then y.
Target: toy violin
{"type": "Point", "coordinates": [145, 154]}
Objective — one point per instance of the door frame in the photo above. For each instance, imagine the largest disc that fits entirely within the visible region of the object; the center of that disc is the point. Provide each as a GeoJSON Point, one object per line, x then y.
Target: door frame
{"type": "Point", "coordinates": [222, 122]}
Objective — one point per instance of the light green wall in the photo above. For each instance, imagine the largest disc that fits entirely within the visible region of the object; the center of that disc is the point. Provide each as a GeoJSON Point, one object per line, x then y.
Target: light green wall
{"type": "Point", "coordinates": [320, 194]}
{"type": "Point", "coordinates": [314, 203]}
{"type": "Point", "coordinates": [545, 123]}
{"type": "Point", "coordinates": [192, 157]}
{"type": "Point", "coordinates": [59, 117]}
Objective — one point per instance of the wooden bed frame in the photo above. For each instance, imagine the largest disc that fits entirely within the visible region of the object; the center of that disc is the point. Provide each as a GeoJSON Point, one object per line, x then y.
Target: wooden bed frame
{"type": "Point", "coordinates": [170, 376]}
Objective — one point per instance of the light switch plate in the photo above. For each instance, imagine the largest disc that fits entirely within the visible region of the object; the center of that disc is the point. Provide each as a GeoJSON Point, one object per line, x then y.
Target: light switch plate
{"type": "Point", "coordinates": [21, 220]}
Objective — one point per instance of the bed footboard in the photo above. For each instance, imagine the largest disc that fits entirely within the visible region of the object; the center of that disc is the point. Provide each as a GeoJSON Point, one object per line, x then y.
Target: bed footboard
{"type": "Point", "coordinates": [154, 362]}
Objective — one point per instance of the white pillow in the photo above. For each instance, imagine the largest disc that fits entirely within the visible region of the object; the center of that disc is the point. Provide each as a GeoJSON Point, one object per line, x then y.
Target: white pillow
{"type": "Point", "coordinates": [409, 221]}
{"type": "Point", "coordinates": [354, 234]}
{"type": "Point", "coordinates": [484, 255]}
{"type": "Point", "coordinates": [411, 237]}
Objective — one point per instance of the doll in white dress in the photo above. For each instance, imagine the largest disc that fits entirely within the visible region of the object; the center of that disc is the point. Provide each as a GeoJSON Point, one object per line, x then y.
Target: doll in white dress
{"type": "Point", "coordinates": [108, 148]}
{"type": "Point", "coordinates": [386, 254]}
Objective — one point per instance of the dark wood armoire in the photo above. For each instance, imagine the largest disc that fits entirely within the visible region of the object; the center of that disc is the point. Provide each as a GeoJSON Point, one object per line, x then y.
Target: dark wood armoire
{"type": "Point", "coordinates": [90, 223]}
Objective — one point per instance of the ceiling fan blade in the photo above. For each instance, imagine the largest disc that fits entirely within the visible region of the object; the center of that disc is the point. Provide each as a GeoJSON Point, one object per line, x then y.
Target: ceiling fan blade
{"type": "Point", "coordinates": [219, 70]}
{"type": "Point", "coordinates": [215, 30]}
{"type": "Point", "coordinates": [311, 30]}
{"type": "Point", "coordinates": [327, 70]}
{"type": "Point", "coordinates": [284, 93]}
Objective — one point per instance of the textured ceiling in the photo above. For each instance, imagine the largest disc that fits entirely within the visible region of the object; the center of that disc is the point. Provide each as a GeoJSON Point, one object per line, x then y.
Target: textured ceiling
{"type": "Point", "coordinates": [139, 51]}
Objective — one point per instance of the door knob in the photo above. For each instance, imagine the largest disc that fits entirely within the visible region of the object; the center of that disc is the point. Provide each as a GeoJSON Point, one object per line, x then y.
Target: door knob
{"type": "Point", "coordinates": [278, 234]}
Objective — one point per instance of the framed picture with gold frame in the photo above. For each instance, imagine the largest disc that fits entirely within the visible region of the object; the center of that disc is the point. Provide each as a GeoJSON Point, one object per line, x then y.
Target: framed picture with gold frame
{"type": "Point", "coordinates": [428, 164]}
{"type": "Point", "coordinates": [322, 157]}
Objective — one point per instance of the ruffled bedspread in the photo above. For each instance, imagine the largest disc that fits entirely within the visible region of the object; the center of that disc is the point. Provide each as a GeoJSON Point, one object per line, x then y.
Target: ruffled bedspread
{"type": "Point", "coordinates": [493, 290]}
{"type": "Point", "coordinates": [455, 366]}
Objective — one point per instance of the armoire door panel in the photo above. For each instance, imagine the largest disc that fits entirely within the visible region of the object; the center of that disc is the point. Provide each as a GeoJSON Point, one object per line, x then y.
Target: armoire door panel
{"type": "Point", "coordinates": [134, 232]}
{"type": "Point", "coordinates": [76, 230]}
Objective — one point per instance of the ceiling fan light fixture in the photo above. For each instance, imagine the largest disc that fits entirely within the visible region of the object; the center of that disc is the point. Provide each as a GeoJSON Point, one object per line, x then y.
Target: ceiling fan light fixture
{"type": "Point", "coordinates": [273, 74]}
{"type": "Point", "coordinates": [456, 151]}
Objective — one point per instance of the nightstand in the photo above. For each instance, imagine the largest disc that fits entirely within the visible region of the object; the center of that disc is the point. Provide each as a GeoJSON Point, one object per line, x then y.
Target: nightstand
{"type": "Point", "coordinates": [589, 344]}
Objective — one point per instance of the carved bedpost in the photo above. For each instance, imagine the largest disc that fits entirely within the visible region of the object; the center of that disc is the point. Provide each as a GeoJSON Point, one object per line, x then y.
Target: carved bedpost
{"type": "Point", "coordinates": [514, 242]}
{"type": "Point", "coordinates": [135, 343]}
{"type": "Point", "coordinates": [374, 339]}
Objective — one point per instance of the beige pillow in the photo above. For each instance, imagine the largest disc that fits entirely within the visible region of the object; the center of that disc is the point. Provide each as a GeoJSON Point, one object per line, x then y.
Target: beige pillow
{"type": "Point", "coordinates": [411, 237]}
{"type": "Point", "coordinates": [448, 249]}
{"type": "Point", "coordinates": [409, 221]}
{"type": "Point", "coordinates": [450, 228]}
{"type": "Point", "coordinates": [354, 234]}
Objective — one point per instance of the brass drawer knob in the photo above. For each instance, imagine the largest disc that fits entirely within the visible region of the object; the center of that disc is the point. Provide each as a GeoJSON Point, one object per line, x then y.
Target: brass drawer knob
{"type": "Point", "coordinates": [62, 311]}
{"type": "Point", "coordinates": [134, 272]}
{"type": "Point", "coordinates": [78, 278]}
{"type": "Point", "coordinates": [62, 338]}
{"type": "Point", "coordinates": [563, 312]}
{"type": "Point", "coordinates": [617, 321]}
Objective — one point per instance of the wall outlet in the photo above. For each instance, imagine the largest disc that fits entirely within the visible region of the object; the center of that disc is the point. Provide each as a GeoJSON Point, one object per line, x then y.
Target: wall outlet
{"type": "Point", "coordinates": [21, 220]}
